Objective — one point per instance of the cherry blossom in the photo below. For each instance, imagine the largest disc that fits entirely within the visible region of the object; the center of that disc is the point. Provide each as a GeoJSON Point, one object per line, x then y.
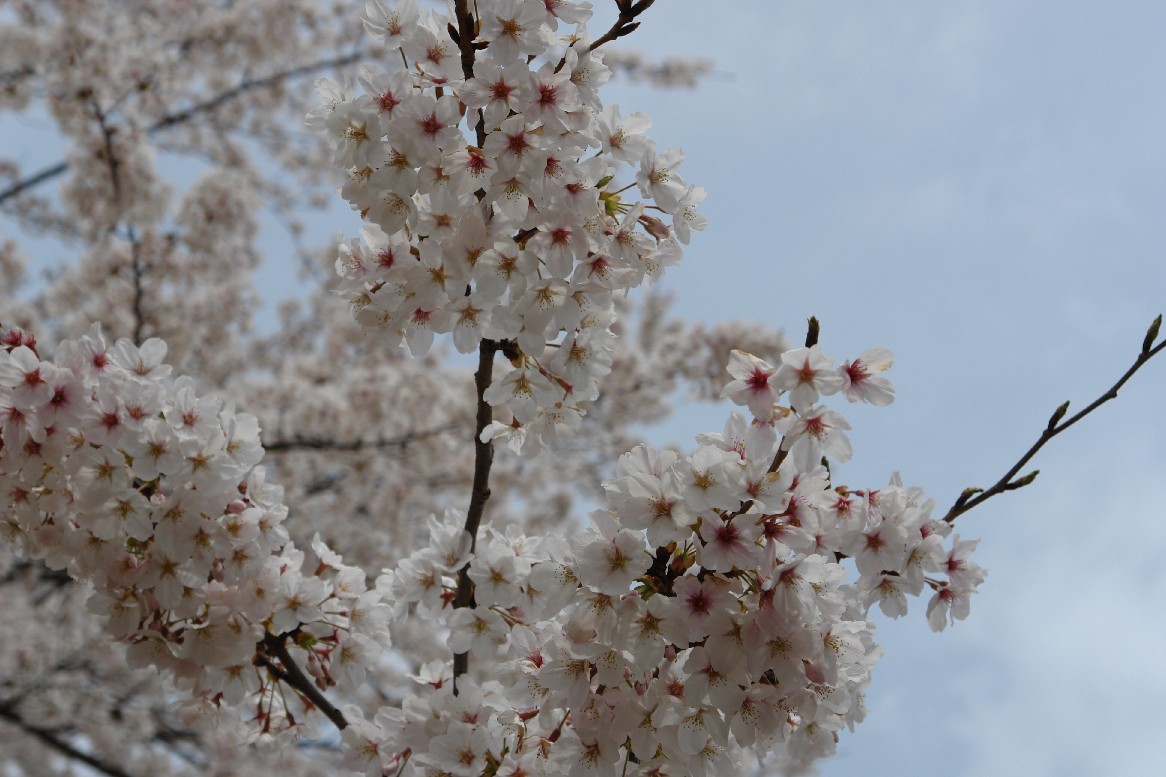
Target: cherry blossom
{"type": "Point", "coordinates": [717, 609]}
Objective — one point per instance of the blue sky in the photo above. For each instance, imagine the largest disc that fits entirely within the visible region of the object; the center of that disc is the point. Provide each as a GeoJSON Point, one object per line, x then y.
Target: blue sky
{"type": "Point", "coordinates": [979, 187]}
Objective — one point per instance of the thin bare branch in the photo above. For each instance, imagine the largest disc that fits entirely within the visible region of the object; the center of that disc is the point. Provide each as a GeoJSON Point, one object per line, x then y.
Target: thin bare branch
{"type": "Point", "coordinates": [185, 115]}
{"type": "Point", "coordinates": [33, 181]}
{"type": "Point", "coordinates": [251, 84]}
{"type": "Point", "coordinates": [625, 24]}
{"type": "Point", "coordinates": [298, 444]}
{"type": "Point", "coordinates": [1012, 480]}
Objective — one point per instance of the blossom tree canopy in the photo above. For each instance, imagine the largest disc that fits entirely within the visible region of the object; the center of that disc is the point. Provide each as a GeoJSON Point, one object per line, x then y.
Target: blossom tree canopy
{"type": "Point", "coordinates": [396, 569]}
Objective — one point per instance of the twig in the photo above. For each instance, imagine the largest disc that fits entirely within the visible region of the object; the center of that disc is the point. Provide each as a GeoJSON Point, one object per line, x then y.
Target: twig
{"type": "Point", "coordinates": [813, 329]}
{"type": "Point", "coordinates": [625, 24]}
{"type": "Point", "coordinates": [973, 497]}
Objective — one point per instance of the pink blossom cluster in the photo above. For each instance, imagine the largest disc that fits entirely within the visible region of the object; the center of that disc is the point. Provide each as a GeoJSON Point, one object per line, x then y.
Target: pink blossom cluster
{"type": "Point", "coordinates": [708, 610]}
{"type": "Point", "coordinates": [493, 204]}
{"type": "Point", "coordinates": [150, 493]}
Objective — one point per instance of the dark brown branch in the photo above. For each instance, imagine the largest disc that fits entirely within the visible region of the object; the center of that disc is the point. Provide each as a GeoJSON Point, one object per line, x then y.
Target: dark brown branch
{"type": "Point", "coordinates": [466, 33]}
{"type": "Point", "coordinates": [34, 180]}
{"type": "Point", "coordinates": [483, 458]}
{"type": "Point", "coordinates": [625, 24]}
{"type": "Point", "coordinates": [1012, 480]}
{"type": "Point", "coordinates": [290, 673]}
{"type": "Point", "coordinates": [52, 740]}
{"type": "Point", "coordinates": [296, 444]}
{"type": "Point", "coordinates": [192, 112]}
{"type": "Point", "coordinates": [138, 270]}
{"type": "Point", "coordinates": [813, 329]}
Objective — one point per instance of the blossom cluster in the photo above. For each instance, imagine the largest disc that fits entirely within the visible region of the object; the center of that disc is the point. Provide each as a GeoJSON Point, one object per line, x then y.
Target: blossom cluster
{"type": "Point", "coordinates": [710, 607]}
{"type": "Point", "coordinates": [131, 481]}
{"type": "Point", "coordinates": [718, 604]}
{"type": "Point", "coordinates": [492, 202]}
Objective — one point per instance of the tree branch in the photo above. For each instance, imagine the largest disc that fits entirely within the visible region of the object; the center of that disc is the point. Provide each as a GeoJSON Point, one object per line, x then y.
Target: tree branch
{"type": "Point", "coordinates": [33, 180]}
{"type": "Point", "coordinates": [625, 24]}
{"type": "Point", "coordinates": [138, 270]}
{"type": "Point", "coordinates": [52, 740]}
{"type": "Point", "coordinates": [973, 497]}
{"type": "Point", "coordinates": [248, 85]}
{"type": "Point", "coordinates": [465, 36]}
{"type": "Point", "coordinates": [297, 444]}
{"type": "Point", "coordinates": [192, 112]}
{"type": "Point", "coordinates": [483, 458]}
{"type": "Point", "coordinates": [290, 673]}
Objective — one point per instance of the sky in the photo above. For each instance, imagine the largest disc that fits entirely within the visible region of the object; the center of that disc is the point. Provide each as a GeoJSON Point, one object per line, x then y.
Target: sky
{"type": "Point", "coordinates": [978, 186]}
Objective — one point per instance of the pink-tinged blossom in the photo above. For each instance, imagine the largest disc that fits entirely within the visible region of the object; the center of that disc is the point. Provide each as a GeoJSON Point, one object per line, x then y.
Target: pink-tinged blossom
{"type": "Point", "coordinates": [567, 11]}
{"type": "Point", "coordinates": [433, 51]}
{"type": "Point", "coordinates": [523, 390]}
{"type": "Point", "coordinates": [387, 92]}
{"type": "Point", "coordinates": [498, 574]}
{"type": "Point", "coordinates": [807, 374]}
{"type": "Point", "coordinates": [393, 27]}
{"type": "Point", "coordinates": [550, 97]}
{"type": "Point", "coordinates": [657, 177]}
{"type": "Point", "coordinates": [21, 370]}
{"type": "Point", "coordinates": [357, 130]}
{"type": "Point", "coordinates": [424, 125]}
{"type": "Point", "coordinates": [685, 219]}
{"type": "Point", "coordinates": [714, 677]}
{"type": "Point", "coordinates": [710, 479]}
{"type": "Point", "coordinates": [948, 605]}
{"type": "Point", "coordinates": [754, 384]}
{"type": "Point", "coordinates": [861, 381]}
{"type": "Point", "coordinates": [612, 562]}
{"type": "Point", "coordinates": [880, 547]}
{"type": "Point", "coordinates": [698, 600]}
{"type": "Point", "coordinates": [514, 29]}
{"type": "Point", "coordinates": [815, 433]}
{"type": "Point", "coordinates": [495, 89]}
{"type": "Point", "coordinates": [623, 138]}
{"type": "Point", "coordinates": [963, 574]}
{"type": "Point", "coordinates": [366, 745]}
{"type": "Point", "coordinates": [480, 630]}
{"type": "Point", "coordinates": [728, 544]}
